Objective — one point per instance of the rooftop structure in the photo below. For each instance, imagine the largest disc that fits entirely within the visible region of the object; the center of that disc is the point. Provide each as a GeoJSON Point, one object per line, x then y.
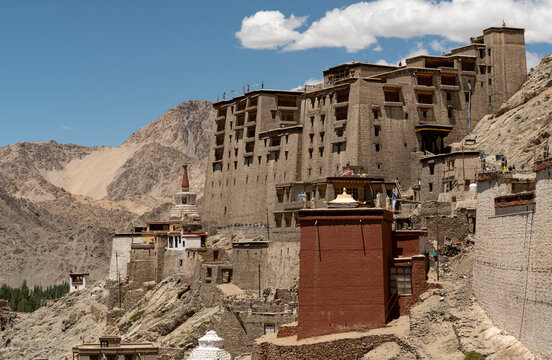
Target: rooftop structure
{"type": "Point", "coordinates": [110, 347]}
{"type": "Point", "coordinates": [78, 281]}
{"type": "Point", "coordinates": [355, 272]}
{"type": "Point", "coordinates": [279, 151]}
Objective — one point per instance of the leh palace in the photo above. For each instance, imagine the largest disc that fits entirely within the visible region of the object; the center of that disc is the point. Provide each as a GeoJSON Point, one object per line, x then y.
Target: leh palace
{"type": "Point", "coordinates": [359, 218]}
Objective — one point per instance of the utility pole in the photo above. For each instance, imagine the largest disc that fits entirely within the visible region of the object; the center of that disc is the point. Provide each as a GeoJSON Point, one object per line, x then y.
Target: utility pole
{"type": "Point", "coordinates": [469, 108]}
{"type": "Point", "coordinates": [437, 235]}
{"type": "Point", "coordinates": [118, 279]}
{"type": "Point", "coordinates": [463, 171]}
{"type": "Point", "coordinates": [267, 226]}
{"type": "Point", "coordinates": [208, 222]}
{"type": "Point", "coordinates": [259, 278]}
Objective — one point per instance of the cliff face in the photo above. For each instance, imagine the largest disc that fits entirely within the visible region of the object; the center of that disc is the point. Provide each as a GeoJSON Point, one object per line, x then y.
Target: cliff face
{"type": "Point", "coordinates": [60, 203]}
{"type": "Point", "coordinates": [523, 124]}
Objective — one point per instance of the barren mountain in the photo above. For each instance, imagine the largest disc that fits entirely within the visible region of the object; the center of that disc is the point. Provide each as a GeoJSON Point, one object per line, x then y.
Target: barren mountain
{"type": "Point", "coordinates": [61, 203]}
{"type": "Point", "coordinates": [523, 124]}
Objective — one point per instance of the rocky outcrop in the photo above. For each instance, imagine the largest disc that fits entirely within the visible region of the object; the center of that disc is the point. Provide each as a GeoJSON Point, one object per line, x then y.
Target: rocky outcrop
{"type": "Point", "coordinates": [523, 124]}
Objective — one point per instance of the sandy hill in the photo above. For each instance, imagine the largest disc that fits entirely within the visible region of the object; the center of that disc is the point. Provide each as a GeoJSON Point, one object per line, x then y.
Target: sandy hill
{"type": "Point", "coordinates": [60, 203]}
{"type": "Point", "coordinates": [523, 124]}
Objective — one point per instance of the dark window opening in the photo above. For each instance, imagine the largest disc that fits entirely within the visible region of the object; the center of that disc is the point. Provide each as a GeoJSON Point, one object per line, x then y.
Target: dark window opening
{"type": "Point", "coordinates": [392, 94]}
{"type": "Point", "coordinates": [377, 130]}
{"type": "Point", "coordinates": [376, 113]}
{"type": "Point", "coordinates": [425, 79]}
{"type": "Point", "coordinates": [341, 113]}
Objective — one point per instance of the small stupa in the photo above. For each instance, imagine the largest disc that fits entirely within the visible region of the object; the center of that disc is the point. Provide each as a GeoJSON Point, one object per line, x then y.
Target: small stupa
{"type": "Point", "coordinates": [211, 347]}
{"type": "Point", "coordinates": [185, 207]}
{"type": "Point", "coordinates": [343, 200]}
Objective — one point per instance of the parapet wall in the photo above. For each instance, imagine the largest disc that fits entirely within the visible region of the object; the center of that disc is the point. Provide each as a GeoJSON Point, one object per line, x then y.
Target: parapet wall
{"type": "Point", "coordinates": [513, 262]}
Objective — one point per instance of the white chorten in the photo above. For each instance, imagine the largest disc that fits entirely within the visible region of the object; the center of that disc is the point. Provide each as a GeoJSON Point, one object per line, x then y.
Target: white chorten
{"type": "Point", "coordinates": [211, 347]}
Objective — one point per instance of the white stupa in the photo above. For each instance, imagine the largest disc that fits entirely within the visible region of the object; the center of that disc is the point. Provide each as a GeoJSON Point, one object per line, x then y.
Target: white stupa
{"type": "Point", "coordinates": [211, 347]}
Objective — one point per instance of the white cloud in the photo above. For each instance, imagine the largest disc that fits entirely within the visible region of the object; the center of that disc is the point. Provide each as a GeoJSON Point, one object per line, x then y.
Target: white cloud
{"type": "Point", "coordinates": [377, 48]}
{"type": "Point", "coordinates": [269, 30]}
{"type": "Point", "coordinates": [65, 127]}
{"type": "Point", "coordinates": [382, 62]}
{"type": "Point", "coordinates": [358, 26]}
{"type": "Point", "coordinates": [533, 59]}
{"type": "Point", "coordinates": [311, 81]}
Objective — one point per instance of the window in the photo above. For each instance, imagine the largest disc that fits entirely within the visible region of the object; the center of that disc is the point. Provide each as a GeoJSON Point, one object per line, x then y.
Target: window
{"type": "Point", "coordinates": [425, 79]}
{"type": "Point", "coordinates": [287, 221]}
{"type": "Point", "coordinates": [490, 99]}
{"type": "Point", "coordinates": [322, 136]}
{"type": "Point", "coordinates": [431, 169]}
{"type": "Point", "coordinates": [273, 112]}
{"type": "Point", "coordinates": [104, 343]}
{"type": "Point", "coordinates": [489, 69]}
{"type": "Point", "coordinates": [269, 329]}
{"type": "Point", "coordinates": [310, 153]}
{"type": "Point", "coordinates": [376, 113]}
{"type": "Point", "coordinates": [259, 159]}
{"type": "Point", "coordinates": [482, 69]}
{"type": "Point", "coordinates": [481, 53]}
{"type": "Point", "coordinates": [406, 115]}
{"type": "Point", "coordinates": [378, 147]}
{"type": "Point", "coordinates": [287, 116]}
{"type": "Point", "coordinates": [312, 121]}
{"type": "Point", "coordinates": [401, 282]}
{"type": "Point", "coordinates": [322, 118]}
{"type": "Point", "coordinates": [343, 96]}
{"type": "Point", "coordinates": [287, 138]}
{"type": "Point", "coordinates": [286, 154]}
{"type": "Point", "coordinates": [430, 187]}
{"type": "Point", "coordinates": [449, 113]}
{"type": "Point", "coordinates": [467, 96]}
{"type": "Point", "coordinates": [490, 82]}
{"type": "Point", "coordinates": [341, 113]}
{"type": "Point", "coordinates": [312, 102]}
{"type": "Point", "coordinates": [321, 151]}
{"type": "Point", "coordinates": [449, 96]}
{"type": "Point", "coordinates": [447, 79]}
{"type": "Point", "coordinates": [377, 130]}
{"type": "Point", "coordinates": [425, 97]}
{"type": "Point", "coordinates": [424, 114]}
{"type": "Point", "coordinates": [489, 52]}
{"type": "Point", "coordinates": [391, 94]}
{"type": "Point", "coordinates": [311, 137]}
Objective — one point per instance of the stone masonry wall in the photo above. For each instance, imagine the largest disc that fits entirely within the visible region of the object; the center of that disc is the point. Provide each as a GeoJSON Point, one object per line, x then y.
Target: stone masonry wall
{"type": "Point", "coordinates": [342, 349]}
{"type": "Point", "coordinates": [513, 263]}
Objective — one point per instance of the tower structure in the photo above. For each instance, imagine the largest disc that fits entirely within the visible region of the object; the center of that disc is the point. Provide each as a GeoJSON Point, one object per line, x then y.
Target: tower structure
{"type": "Point", "coordinates": [185, 207]}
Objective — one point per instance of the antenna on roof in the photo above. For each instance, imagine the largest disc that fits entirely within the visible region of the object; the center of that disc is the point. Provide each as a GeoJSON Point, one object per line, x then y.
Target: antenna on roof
{"type": "Point", "coordinates": [254, 86]}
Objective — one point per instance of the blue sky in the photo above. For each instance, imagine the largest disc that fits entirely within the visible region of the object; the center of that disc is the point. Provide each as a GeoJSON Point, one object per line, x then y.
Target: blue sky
{"type": "Point", "coordinates": [93, 72]}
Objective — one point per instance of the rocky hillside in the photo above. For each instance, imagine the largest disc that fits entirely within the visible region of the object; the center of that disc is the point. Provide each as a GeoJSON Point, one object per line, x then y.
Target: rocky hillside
{"type": "Point", "coordinates": [169, 314]}
{"type": "Point", "coordinates": [60, 203]}
{"type": "Point", "coordinates": [523, 124]}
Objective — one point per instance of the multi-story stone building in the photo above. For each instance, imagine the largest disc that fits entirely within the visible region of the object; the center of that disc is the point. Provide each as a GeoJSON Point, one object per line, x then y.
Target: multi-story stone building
{"type": "Point", "coordinates": [365, 127]}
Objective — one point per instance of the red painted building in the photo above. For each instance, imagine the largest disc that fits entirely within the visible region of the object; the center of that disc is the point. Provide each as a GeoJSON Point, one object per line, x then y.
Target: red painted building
{"type": "Point", "coordinates": [355, 272]}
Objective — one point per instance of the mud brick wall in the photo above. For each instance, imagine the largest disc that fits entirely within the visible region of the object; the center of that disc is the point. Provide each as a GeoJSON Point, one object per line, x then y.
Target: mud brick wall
{"type": "Point", "coordinates": [513, 263]}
